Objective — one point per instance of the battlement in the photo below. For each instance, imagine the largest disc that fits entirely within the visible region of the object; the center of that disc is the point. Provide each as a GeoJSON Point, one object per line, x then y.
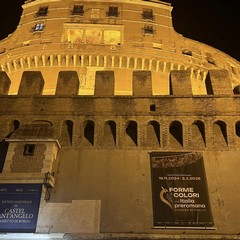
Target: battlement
{"type": "Point", "coordinates": [217, 82]}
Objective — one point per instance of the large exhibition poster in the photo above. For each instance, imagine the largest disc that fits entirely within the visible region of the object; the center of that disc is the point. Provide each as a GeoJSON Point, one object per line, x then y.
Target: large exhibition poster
{"type": "Point", "coordinates": [19, 206]}
{"type": "Point", "coordinates": [180, 195]}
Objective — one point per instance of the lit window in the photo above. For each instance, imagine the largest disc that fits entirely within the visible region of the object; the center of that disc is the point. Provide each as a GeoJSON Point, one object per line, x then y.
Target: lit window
{"type": "Point", "coordinates": [42, 12]}
{"type": "Point", "coordinates": [38, 27]}
{"type": "Point", "coordinates": [78, 10]}
{"type": "Point", "coordinates": [147, 14]}
{"type": "Point", "coordinates": [112, 11]}
{"type": "Point", "coordinates": [148, 30]}
{"type": "Point", "coordinates": [29, 149]}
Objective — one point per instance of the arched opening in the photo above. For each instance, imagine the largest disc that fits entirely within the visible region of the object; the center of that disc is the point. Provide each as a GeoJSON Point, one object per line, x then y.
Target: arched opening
{"type": "Point", "coordinates": [168, 67]}
{"type": "Point", "coordinates": [101, 61]}
{"type": "Point", "coordinates": [67, 133]}
{"type": "Point", "coordinates": [131, 63]}
{"type": "Point", "coordinates": [236, 90]}
{"type": "Point", "coordinates": [124, 62]}
{"type": "Point", "coordinates": [176, 134]}
{"type": "Point", "coordinates": [94, 61]}
{"type": "Point", "coordinates": [116, 61]}
{"type": "Point", "coordinates": [237, 132]}
{"type": "Point", "coordinates": [154, 65]}
{"type": "Point", "coordinates": [198, 134]}
{"type": "Point", "coordinates": [220, 134]}
{"type": "Point", "coordinates": [89, 133]}
{"type": "Point", "coordinates": [146, 64]}
{"type": "Point", "coordinates": [131, 134]}
{"type": "Point", "coordinates": [109, 61]}
{"type": "Point", "coordinates": [153, 134]}
{"type": "Point", "coordinates": [110, 133]}
{"type": "Point", "coordinates": [139, 63]}
{"type": "Point", "coordinates": [237, 129]}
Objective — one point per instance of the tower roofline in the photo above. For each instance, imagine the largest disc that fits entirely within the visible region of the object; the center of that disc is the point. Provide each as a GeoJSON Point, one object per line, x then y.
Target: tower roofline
{"type": "Point", "coordinates": [29, 3]}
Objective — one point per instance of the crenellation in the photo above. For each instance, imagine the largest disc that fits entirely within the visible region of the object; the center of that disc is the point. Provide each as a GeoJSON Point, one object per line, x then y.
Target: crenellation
{"type": "Point", "coordinates": [67, 84]}
{"type": "Point", "coordinates": [104, 83]}
{"type": "Point", "coordinates": [181, 82]}
{"type": "Point", "coordinates": [142, 83]}
{"type": "Point", "coordinates": [32, 83]}
{"type": "Point", "coordinates": [220, 82]}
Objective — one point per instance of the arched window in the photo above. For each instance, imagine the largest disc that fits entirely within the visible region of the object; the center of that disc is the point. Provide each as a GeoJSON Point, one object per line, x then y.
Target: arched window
{"type": "Point", "coordinates": [131, 134]}
{"type": "Point", "coordinates": [220, 133]}
{"type": "Point", "coordinates": [198, 134]}
{"type": "Point", "coordinates": [153, 134]}
{"type": "Point", "coordinates": [110, 133]}
{"type": "Point", "coordinates": [176, 134]}
{"type": "Point", "coordinates": [89, 133]}
{"type": "Point", "coordinates": [67, 133]}
{"type": "Point", "coordinates": [131, 62]}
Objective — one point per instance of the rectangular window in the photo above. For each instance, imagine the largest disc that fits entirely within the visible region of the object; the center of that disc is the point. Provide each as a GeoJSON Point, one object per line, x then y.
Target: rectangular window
{"type": "Point", "coordinates": [152, 107]}
{"type": "Point", "coordinates": [148, 30]}
{"type": "Point", "coordinates": [147, 14]}
{"type": "Point", "coordinates": [42, 12]}
{"type": "Point", "coordinates": [112, 11]}
{"type": "Point", "coordinates": [38, 27]}
{"type": "Point", "coordinates": [78, 10]}
{"type": "Point", "coordinates": [29, 149]}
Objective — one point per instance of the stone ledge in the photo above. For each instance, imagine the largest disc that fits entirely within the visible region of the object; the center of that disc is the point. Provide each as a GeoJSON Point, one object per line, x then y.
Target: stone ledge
{"type": "Point", "coordinates": [22, 177]}
{"type": "Point", "coordinates": [132, 236]}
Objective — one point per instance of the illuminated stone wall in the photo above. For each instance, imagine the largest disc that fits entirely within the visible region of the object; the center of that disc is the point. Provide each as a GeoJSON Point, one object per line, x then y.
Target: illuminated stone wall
{"type": "Point", "coordinates": [115, 88]}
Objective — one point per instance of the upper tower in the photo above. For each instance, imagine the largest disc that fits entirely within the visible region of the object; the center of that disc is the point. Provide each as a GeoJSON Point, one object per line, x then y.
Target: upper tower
{"type": "Point", "coordinates": [86, 36]}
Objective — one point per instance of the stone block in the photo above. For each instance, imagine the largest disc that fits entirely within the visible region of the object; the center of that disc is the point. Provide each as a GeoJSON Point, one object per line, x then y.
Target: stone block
{"type": "Point", "coordinates": [218, 82]}
{"type": "Point", "coordinates": [79, 216]}
{"type": "Point", "coordinates": [68, 83]}
{"type": "Point", "coordinates": [4, 83]}
{"type": "Point", "coordinates": [104, 84]}
{"type": "Point", "coordinates": [142, 83]}
{"type": "Point", "coordinates": [180, 82]}
{"type": "Point", "coordinates": [32, 83]}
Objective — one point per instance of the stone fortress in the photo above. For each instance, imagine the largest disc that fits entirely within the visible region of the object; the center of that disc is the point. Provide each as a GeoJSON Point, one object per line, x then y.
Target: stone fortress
{"type": "Point", "coordinates": [89, 89]}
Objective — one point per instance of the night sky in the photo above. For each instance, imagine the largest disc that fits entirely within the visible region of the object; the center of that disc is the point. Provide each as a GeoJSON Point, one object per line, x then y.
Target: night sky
{"type": "Point", "coordinates": [214, 22]}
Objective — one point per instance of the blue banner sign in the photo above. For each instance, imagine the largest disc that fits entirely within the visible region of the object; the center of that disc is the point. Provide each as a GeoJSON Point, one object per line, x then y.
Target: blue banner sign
{"type": "Point", "coordinates": [19, 206]}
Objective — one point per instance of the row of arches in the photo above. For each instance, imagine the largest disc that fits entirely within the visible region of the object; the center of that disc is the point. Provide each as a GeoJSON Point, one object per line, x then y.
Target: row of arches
{"type": "Point", "coordinates": [133, 134]}
{"type": "Point", "coordinates": [153, 134]}
{"type": "Point", "coordinates": [84, 60]}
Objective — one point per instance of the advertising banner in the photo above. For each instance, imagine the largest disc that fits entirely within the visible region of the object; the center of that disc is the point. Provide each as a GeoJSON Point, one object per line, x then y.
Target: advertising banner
{"type": "Point", "coordinates": [180, 195]}
{"type": "Point", "coordinates": [19, 206]}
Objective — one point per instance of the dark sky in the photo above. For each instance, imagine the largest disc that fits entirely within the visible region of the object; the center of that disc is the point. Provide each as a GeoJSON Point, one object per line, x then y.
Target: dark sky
{"type": "Point", "coordinates": [214, 22]}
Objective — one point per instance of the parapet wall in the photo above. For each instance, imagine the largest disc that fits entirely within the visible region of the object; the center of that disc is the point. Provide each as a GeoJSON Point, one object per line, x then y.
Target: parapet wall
{"type": "Point", "coordinates": [217, 82]}
{"type": "Point", "coordinates": [179, 120]}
